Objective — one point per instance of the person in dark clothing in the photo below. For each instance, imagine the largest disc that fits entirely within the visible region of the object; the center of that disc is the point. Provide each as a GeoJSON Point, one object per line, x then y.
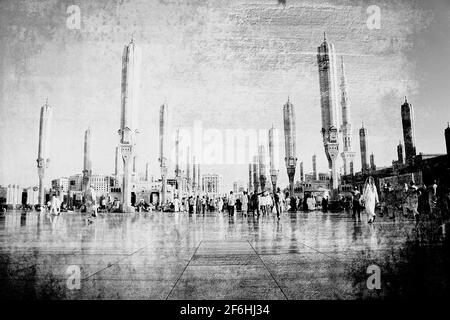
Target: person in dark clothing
{"type": "Point", "coordinates": [293, 204]}
{"type": "Point", "coordinates": [325, 204]}
{"type": "Point", "coordinates": [277, 201]}
{"type": "Point", "coordinates": [191, 203]}
{"type": "Point", "coordinates": [356, 203]}
{"type": "Point", "coordinates": [255, 203]}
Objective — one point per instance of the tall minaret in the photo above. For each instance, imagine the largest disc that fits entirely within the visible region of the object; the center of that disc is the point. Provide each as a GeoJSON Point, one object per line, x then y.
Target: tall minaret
{"type": "Point", "coordinates": [87, 164]}
{"type": "Point", "coordinates": [177, 161]}
{"type": "Point", "coordinates": [400, 152]}
{"type": "Point", "coordinates": [128, 117]}
{"type": "Point", "coordinates": [194, 175]}
{"type": "Point", "coordinates": [373, 167]}
{"type": "Point", "coordinates": [326, 60]}
{"type": "Point", "coordinates": [314, 164]}
{"type": "Point", "coordinates": [262, 167]}
{"type": "Point", "coordinates": [250, 178]}
{"type": "Point", "coordinates": [407, 112]}
{"type": "Point", "coordinates": [302, 172]}
{"type": "Point", "coordinates": [256, 174]}
{"type": "Point", "coordinates": [199, 180]}
{"type": "Point", "coordinates": [188, 170]}
{"type": "Point", "coordinates": [162, 150]}
{"type": "Point", "coordinates": [273, 159]}
{"type": "Point", "coordinates": [364, 147]}
{"type": "Point", "coordinates": [347, 153]}
{"type": "Point", "coordinates": [447, 138]}
{"type": "Point", "coordinates": [290, 143]}
{"type": "Point", "coordinates": [44, 147]}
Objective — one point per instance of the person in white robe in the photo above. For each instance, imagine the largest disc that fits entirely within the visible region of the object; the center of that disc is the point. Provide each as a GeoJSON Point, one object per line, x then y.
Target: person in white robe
{"type": "Point", "coordinates": [370, 198]}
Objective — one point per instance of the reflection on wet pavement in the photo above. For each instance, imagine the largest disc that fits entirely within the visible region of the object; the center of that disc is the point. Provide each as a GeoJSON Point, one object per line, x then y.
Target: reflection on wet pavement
{"type": "Point", "coordinates": [311, 255]}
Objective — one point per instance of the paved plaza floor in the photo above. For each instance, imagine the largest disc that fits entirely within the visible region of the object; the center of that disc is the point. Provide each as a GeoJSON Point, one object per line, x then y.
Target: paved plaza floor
{"type": "Point", "coordinates": [312, 255]}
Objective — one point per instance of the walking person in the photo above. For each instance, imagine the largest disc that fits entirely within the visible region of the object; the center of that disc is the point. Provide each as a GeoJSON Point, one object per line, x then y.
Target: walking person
{"type": "Point", "coordinates": [255, 203]}
{"type": "Point", "coordinates": [191, 204]}
{"type": "Point", "coordinates": [277, 200]}
{"type": "Point", "coordinates": [356, 204]}
{"type": "Point", "coordinates": [245, 200]}
{"type": "Point", "coordinates": [203, 205]}
{"type": "Point", "coordinates": [370, 198]}
{"type": "Point", "coordinates": [268, 202]}
{"type": "Point", "coordinates": [412, 201]}
{"type": "Point", "coordinates": [325, 203]}
{"type": "Point", "coordinates": [54, 205]}
{"type": "Point", "coordinates": [231, 204]}
{"type": "Point", "coordinates": [91, 201]}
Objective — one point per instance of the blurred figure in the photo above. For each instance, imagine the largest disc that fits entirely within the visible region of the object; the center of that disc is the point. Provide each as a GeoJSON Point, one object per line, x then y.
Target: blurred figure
{"type": "Point", "coordinates": [356, 204]}
{"type": "Point", "coordinates": [311, 202]}
{"type": "Point", "coordinates": [370, 198]}
{"type": "Point", "coordinates": [54, 205]}
{"type": "Point", "coordinates": [255, 203]}
{"type": "Point", "coordinates": [277, 200]}
{"type": "Point", "coordinates": [203, 204]}
{"type": "Point", "coordinates": [411, 201]}
{"type": "Point", "coordinates": [245, 201]}
{"type": "Point", "coordinates": [176, 203]}
{"type": "Point", "coordinates": [389, 196]}
{"type": "Point", "coordinates": [325, 203]}
{"type": "Point", "coordinates": [231, 204]}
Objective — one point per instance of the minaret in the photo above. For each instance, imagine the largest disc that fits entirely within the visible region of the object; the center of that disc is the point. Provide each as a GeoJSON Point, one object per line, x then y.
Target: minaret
{"type": "Point", "coordinates": [262, 167]}
{"type": "Point", "coordinates": [87, 164]}
{"type": "Point", "coordinates": [302, 172]}
{"type": "Point", "coordinates": [273, 162]}
{"type": "Point", "coordinates": [194, 175]}
{"type": "Point", "coordinates": [177, 161]}
{"type": "Point", "coordinates": [250, 178]}
{"type": "Point", "coordinates": [373, 167]}
{"type": "Point", "coordinates": [347, 153]}
{"type": "Point", "coordinates": [400, 152]}
{"type": "Point", "coordinates": [314, 164]}
{"type": "Point", "coordinates": [162, 150]}
{"type": "Point", "coordinates": [128, 120]}
{"type": "Point", "coordinates": [199, 180]}
{"type": "Point", "coordinates": [290, 142]}
{"type": "Point", "coordinates": [407, 112]}
{"type": "Point", "coordinates": [447, 138]}
{"type": "Point", "coordinates": [364, 147]}
{"type": "Point", "coordinates": [326, 60]}
{"type": "Point", "coordinates": [188, 170]}
{"type": "Point", "coordinates": [256, 174]}
{"type": "Point", "coordinates": [44, 147]}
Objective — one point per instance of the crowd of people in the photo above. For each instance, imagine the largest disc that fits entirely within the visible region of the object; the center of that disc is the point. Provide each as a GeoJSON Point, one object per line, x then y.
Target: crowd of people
{"type": "Point", "coordinates": [393, 201]}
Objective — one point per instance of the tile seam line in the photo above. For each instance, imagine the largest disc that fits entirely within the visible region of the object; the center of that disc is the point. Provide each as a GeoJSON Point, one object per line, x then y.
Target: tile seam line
{"type": "Point", "coordinates": [115, 262]}
{"type": "Point", "coordinates": [268, 271]}
{"type": "Point", "coordinates": [176, 282]}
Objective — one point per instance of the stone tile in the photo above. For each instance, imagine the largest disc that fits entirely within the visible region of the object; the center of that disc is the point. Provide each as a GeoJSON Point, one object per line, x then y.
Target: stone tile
{"type": "Point", "coordinates": [219, 289]}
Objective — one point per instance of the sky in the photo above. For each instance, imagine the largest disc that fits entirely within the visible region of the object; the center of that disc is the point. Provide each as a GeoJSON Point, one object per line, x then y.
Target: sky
{"type": "Point", "coordinates": [229, 64]}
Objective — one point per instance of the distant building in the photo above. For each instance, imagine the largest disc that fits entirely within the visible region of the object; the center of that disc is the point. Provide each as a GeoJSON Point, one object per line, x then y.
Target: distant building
{"type": "Point", "coordinates": [61, 184]}
{"type": "Point", "coordinates": [210, 184]}
{"type": "Point", "coordinates": [75, 182]}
